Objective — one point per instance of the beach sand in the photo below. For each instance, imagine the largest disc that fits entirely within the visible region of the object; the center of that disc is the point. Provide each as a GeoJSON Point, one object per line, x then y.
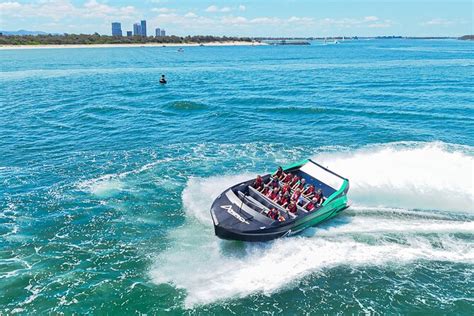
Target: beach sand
{"type": "Point", "coordinates": [237, 43]}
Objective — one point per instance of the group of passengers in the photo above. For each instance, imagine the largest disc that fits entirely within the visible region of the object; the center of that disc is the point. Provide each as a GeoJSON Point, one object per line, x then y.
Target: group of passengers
{"type": "Point", "coordinates": [288, 191]}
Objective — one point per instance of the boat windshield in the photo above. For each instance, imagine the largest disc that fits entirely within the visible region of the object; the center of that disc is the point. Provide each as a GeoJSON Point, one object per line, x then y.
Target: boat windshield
{"type": "Point", "coordinates": [323, 174]}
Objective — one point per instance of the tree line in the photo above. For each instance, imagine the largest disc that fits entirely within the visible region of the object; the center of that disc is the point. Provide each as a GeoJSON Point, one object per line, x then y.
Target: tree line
{"type": "Point", "coordinates": [86, 39]}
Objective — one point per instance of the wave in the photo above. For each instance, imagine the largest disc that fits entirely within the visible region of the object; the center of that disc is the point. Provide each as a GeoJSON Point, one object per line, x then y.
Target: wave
{"type": "Point", "coordinates": [384, 228]}
{"type": "Point", "coordinates": [186, 106]}
{"type": "Point", "coordinates": [432, 176]}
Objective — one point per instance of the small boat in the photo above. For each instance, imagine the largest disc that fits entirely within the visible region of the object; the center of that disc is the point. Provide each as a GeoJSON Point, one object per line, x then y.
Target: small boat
{"type": "Point", "coordinates": [243, 212]}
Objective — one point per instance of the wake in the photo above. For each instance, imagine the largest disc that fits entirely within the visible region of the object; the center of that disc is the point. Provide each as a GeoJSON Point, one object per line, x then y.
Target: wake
{"type": "Point", "coordinates": [419, 195]}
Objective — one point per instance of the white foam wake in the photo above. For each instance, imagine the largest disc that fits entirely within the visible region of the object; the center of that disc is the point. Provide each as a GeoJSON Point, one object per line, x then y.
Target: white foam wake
{"type": "Point", "coordinates": [211, 270]}
{"type": "Point", "coordinates": [428, 176]}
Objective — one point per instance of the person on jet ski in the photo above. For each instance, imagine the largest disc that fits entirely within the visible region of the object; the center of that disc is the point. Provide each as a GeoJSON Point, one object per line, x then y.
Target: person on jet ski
{"type": "Point", "coordinates": [258, 183]}
{"type": "Point", "coordinates": [162, 80]}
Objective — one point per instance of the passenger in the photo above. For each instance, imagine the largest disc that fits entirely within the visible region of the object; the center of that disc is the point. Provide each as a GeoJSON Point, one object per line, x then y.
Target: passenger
{"type": "Point", "coordinates": [281, 218]}
{"type": "Point", "coordinates": [292, 207]}
{"type": "Point", "coordinates": [296, 195]}
{"type": "Point", "coordinates": [274, 183]}
{"type": "Point", "coordinates": [279, 173]}
{"type": "Point", "coordinates": [288, 177]}
{"type": "Point", "coordinates": [273, 194]}
{"type": "Point", "coordinates": [300, 185]}
{"type": "Point", "coordinates": [311, 205]}
{"type": "Point", "coordinates": [320, 196]}
{"type": "Point", "coordinates": [309, 191]}
{"type": "Point", "coordinates": [258, 184]}
{"type": "Point", "coordinates": [294, 180]}
{"type": "Point", "coordinates": [273, 213]}
{"type": "Point", "coordinates": [286, 188]}
{"type": "Point", "coordinates": [284, 199]}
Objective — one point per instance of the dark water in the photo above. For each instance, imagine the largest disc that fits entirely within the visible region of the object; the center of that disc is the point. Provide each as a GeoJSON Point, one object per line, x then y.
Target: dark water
{"type": "Point", "coordinates": [106, 177]}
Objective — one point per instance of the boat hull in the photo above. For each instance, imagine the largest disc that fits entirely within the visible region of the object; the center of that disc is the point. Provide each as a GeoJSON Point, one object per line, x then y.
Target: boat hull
{"type": "Point", "coordinates": [240, 212]}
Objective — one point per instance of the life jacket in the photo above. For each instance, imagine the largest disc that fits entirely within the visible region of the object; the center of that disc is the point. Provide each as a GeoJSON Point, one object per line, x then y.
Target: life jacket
{"type": "Point", "coordinates": [288, 178]}
{"type": "Point", "coordinates": [309, 190]}
{"type": "Point", "coordinates": [310, 206]}
{"type": "Point", "coordinates": [296, 195]}
{"type": "Point", "coordinates": [285, 189]}
{"type": "Point", "coordinates": [292, 209]}
{"type": "Point", "coordinates": [283, 200]}
{"type": "Point", "coordinates": [258, 183]}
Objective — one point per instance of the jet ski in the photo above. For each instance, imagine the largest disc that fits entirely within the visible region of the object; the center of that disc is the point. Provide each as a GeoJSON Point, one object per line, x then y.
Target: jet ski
{"type": "Point", "coordinates": [246, 211]}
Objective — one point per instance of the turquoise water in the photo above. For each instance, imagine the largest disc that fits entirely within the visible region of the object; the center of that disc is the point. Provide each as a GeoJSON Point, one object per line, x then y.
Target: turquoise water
{"type": "Point", "coordinates": [106, 177]}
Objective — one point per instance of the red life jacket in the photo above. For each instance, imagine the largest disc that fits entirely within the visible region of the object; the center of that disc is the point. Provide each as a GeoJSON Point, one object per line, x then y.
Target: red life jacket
{"type": "Point", "coordinates": [292, 209]}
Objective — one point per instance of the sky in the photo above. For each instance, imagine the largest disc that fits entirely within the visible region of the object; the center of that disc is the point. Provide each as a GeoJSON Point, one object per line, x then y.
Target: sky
{"type": "Point", "coordinates": [268, 18]}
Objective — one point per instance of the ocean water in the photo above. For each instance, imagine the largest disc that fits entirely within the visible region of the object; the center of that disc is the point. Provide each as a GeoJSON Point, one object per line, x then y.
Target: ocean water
{"type": "Point", "coordinates": [106, 178]}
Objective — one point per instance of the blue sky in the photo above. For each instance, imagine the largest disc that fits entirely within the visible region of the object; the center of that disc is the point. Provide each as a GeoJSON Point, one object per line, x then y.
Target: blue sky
{"type": "Point", "coordinates": [245, 17]}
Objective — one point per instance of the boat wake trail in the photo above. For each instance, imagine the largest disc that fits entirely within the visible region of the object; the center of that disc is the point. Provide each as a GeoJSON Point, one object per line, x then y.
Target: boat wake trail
{"type": "Point", "coordinates": [412, 204]}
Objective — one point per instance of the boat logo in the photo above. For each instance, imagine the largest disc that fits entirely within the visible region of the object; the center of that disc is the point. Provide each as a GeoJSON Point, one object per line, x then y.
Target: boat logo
{"type": "Point", "coordinates": [233, 213]}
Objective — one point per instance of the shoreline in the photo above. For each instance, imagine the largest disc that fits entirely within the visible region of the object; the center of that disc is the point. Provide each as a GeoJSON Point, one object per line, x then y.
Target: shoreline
{"type": "Point", "coordinates": [233, 43]}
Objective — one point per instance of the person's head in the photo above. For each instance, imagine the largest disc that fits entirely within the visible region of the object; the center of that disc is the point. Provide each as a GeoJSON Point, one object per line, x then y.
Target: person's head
{"type": "Point", "coordinates": [314, 200]}
{"type": "Point", "coordinates": [320, 191]}
{"type": "Point", "coordinates": [289, 174]}
{"type": "Point", "coordinates": [287, 195]}
{"type": "Point", "coordinates": [280, 168]}
{"type": "Point", "coordinates": [298, 191]}
{"type": "Point", "coordinates": [303, 180]}
{"type": "Point", "coordinates": [275, 190]}
{"type": "Point", "coordinates": [311, 186]}
{"type": "Point", "coordinates": [163, 76]}
{"type": "Point", "coordinates": [259, 177]}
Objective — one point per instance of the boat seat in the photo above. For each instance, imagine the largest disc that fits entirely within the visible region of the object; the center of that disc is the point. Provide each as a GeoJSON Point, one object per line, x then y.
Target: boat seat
{"type": "Point", "coordinates": [253, 201]}
{"type": "Point", "coordinates": [233, 198]}
{"type": "Point", "coordinates": [255, 192]}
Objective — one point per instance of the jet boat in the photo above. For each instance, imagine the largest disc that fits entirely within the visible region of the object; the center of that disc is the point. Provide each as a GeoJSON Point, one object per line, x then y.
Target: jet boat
{"type": "Point", "coordinates": [242, 212]}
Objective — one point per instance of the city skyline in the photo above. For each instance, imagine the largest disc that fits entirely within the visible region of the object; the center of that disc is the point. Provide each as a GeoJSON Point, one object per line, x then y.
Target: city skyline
{"type": "Point", "coordinates": [138, 29]}
{"type": "Point", "coordinates": [303, 18]}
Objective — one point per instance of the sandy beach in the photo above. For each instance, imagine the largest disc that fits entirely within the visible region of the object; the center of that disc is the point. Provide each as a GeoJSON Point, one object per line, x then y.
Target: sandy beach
{"type": "Point", "coordinates": [235, 43]}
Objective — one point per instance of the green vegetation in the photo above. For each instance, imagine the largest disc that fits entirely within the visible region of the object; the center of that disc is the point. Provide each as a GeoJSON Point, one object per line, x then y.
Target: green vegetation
{"type": "Point", "coordinates": [86, 39]}
{"type": "Point", "coordinates": [467, 38]}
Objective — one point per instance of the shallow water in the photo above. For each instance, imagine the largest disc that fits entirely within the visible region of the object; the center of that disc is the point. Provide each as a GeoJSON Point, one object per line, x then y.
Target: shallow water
{"type": "Point", "coordinates": [107, 177]}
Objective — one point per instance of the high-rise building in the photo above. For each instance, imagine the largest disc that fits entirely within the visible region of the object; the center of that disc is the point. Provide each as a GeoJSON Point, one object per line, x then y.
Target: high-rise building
{"type": "Point", "coordinates": [143, 27]}
{"type": "Point", "coordinates": [116, 29]}
{"type": "Point", "coordinates": [129, 33]}
{"type": "Point", "coordinates": [137, 29]}
{"type": "Point", "coordinates": [163, 33]}
{"type": "Point", "coordinates": [157, 32]}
